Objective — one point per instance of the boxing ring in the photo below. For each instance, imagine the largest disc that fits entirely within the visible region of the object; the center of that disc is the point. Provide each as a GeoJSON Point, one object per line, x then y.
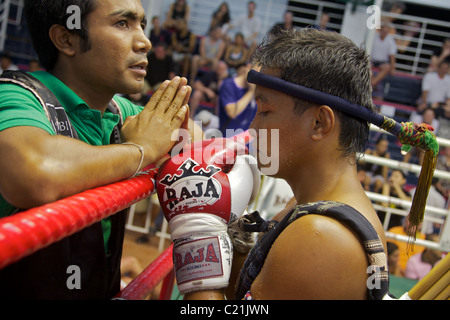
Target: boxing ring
{"type": "Point", "coordinates": [27, 232]}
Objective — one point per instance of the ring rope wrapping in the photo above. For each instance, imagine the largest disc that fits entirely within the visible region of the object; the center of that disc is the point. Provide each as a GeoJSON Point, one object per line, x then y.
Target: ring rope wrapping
{"type": "Point", "coordinates": [26, 232]}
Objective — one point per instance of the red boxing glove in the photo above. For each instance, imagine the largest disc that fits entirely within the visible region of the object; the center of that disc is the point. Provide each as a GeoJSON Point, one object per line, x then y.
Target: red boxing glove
{"type": "Point", "coordinates": [201, 191]}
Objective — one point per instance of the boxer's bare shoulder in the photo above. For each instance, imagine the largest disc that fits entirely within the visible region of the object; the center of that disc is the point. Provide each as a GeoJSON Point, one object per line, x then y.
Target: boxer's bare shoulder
{"type": "Point", "coordinates": [313, 258]}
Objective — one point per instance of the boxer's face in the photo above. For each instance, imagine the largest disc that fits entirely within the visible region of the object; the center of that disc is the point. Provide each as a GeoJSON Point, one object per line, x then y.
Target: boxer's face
{"type": "Point", "coordinates": [276, 114]}
{"type": "Point", "coordinates": [117, 59]}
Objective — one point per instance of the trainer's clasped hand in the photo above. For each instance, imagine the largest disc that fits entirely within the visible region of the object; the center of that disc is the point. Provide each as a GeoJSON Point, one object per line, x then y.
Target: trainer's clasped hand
{"type": "Point", "coordinates": [155, 127]}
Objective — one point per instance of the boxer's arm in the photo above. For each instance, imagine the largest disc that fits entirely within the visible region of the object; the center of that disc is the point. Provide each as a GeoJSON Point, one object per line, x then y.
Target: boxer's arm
{"type": "Point", "coordinates": [315, 257]}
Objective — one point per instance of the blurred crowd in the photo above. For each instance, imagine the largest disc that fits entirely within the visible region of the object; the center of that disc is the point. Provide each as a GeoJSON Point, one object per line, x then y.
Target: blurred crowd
{"type": "Point", "coordinates": [216, 64]}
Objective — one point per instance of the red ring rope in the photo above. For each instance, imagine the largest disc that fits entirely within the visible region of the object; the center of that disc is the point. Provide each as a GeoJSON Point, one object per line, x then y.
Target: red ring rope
{"type": "Point", "coordinates": [26, 232]}
{"type": "Point", "coordinates": [141, 286]}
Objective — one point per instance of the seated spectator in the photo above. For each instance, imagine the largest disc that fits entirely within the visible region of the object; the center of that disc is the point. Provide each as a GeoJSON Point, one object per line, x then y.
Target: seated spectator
{"type": "Point", "coordinates": [376, 175]}
{"type": "Point", "coordinates": [395, 187]}
{"type": "Point", "coordinates": [184, 42]}
{"type": "Point", "coordinates": [237, 106]}
{"type": "Point", "coordinates": [406, 252]}
{"type": "Point", "coordinates": [420, 264]}
{"type": "Point", "coordinates": [429, 117]}
{"type": "Point", "coordinates": [158, 34]}
{"type": "Point", "coordinates": [405, 35]}
{"type": "Point", "coordinates": [161, 67]}
{"type": "Point", "coordinates": [383, 54]}
{"type": "Point", "coordinates": [6, 63]}
{"type": "Point", "coordinates": [412, 29]}
{"type": "Point", "coordinates": [439, 55]}
{"type": "Point", "coordinates": [177, 10]}
{"type": "Point", "coordinates": [211, 50]}
{"type": "Point", "coordinates": [393, 258]}
{"type": "Point", "coordinates": [287, 24]}
{"type": "Point", "coordinates": [249, 25]}
{"type": "Point", "coordinates": [206, 87]}
{"type": "Point", "coordinates": [362, 174]}
{"type": "Point", "coordinates": [236, 53]}
{"type": "Point", "coordinates": [221, 18]}
{"type": "Point", "coordinates": [323, 22]}
{"type": "Point", "coordinates": [435, 91]}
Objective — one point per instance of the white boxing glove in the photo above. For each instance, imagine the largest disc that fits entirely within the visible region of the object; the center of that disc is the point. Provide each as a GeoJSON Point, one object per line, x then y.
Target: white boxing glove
{"type": "Point", "coordinates": [201, 191]}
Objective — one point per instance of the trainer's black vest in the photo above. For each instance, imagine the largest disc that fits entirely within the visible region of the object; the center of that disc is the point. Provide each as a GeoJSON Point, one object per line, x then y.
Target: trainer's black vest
{"type": "Point", "coordinates": [45, 274]}
{"type": "Point", "coordinates": [377, 288]}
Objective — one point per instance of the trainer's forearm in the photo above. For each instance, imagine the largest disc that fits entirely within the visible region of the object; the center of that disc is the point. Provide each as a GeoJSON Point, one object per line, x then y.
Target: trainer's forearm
{"type": "Point", "coordinates": [58, 167]}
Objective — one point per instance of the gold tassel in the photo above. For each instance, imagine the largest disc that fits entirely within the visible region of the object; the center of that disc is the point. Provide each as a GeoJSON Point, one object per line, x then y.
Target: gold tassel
{"type": "Point", "coordinates": [419, 202]}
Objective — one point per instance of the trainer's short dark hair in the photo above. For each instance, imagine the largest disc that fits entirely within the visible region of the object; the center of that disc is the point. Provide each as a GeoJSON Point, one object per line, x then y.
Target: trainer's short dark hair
{"type": "Point", "coordinates": [41, 15]}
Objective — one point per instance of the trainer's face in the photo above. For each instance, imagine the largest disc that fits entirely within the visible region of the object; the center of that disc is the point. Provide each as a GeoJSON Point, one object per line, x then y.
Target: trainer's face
{"type": "Point", "coordinates": [276, 119]}
{"type": "Point", "coordinates": [117, 59]}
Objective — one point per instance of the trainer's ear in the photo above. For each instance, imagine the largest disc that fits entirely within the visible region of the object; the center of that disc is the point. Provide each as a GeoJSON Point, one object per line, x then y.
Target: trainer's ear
{"type": "Point", "coordinates": [325, 122]}
{"type": "Point", "coordinates": [63, 39]}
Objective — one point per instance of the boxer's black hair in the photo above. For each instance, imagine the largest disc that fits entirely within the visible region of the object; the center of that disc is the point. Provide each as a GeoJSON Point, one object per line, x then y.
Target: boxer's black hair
{"type": "Point", "coordinates": [327, 62]}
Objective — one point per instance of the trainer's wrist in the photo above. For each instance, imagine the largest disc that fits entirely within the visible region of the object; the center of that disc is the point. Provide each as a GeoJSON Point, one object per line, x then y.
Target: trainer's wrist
{"type": "Point", "coordinates": [141, 160]}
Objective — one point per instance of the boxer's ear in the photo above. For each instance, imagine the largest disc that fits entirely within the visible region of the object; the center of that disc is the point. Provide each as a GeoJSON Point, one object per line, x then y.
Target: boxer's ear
{"type": "Point", "coordinates": [325, 122]}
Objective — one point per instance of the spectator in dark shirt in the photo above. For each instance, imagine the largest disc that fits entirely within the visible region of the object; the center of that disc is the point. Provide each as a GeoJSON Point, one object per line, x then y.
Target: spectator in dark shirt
{"type": "Point", "coordinates": [161, 66]}
{"type": "Point", "coordinates": [287, 23]}
{"type": "Point", "coordinates": [323, 22]}
{"type": "Point", "coordinates": [206, 87]}
{"type": "Point", "coordinates": [159, 34]}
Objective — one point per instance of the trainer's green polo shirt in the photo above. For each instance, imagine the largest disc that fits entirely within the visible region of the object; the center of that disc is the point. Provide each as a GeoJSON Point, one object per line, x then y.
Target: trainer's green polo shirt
{"type": "Point", "coordinates": [19, 107]}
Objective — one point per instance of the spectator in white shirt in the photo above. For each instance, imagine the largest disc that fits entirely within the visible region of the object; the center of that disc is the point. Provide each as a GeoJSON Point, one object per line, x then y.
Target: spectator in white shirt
{"type": "Point", "coordinates": [383, 54]}
{"type": "Point", "coordinates": [249, 25]}
{"type": "Point", "coordinates": [435, 93]}
{"type": "Point", "coordinates": [435, 88]}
